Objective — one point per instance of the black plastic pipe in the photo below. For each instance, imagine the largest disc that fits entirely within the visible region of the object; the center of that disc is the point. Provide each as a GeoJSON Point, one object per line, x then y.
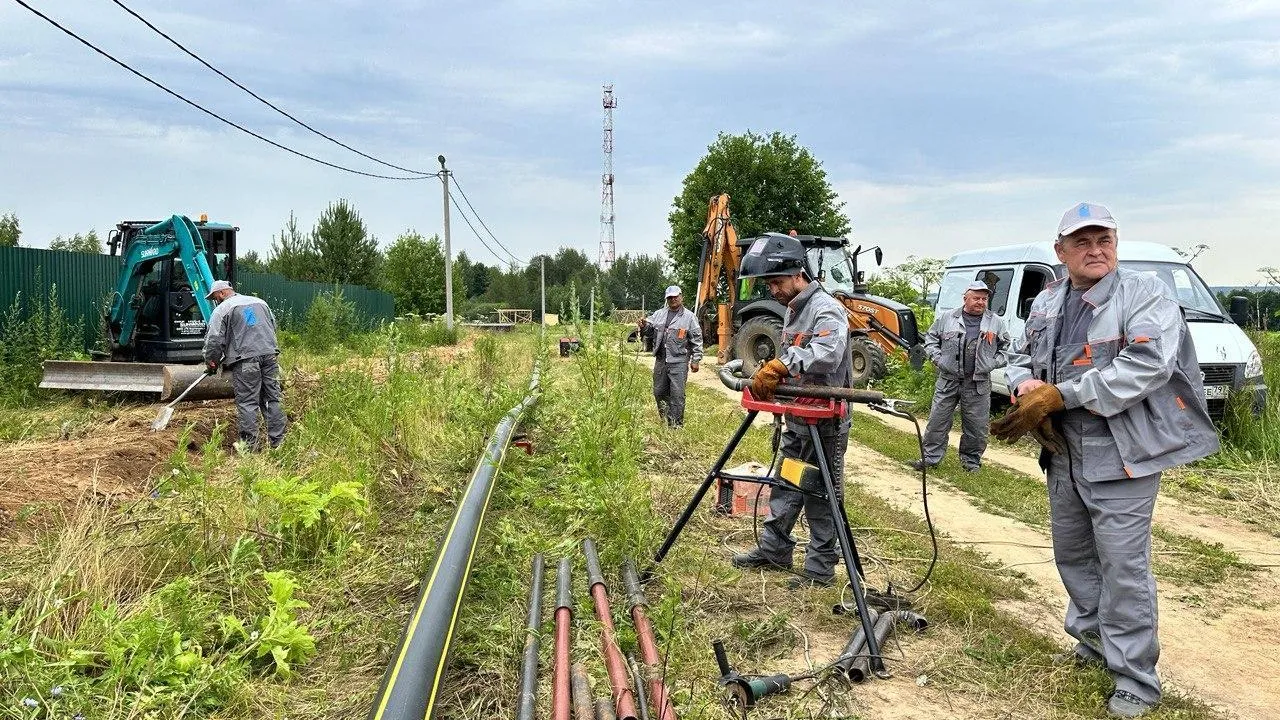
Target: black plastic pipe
{"type": "Point", "coordinates": [529, 670]}
{"type": "Point", "coordinates": [411, 684]}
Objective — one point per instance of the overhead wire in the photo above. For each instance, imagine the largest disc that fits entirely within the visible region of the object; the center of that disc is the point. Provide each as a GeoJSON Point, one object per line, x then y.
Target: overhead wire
{"type": "Point", "coordinates": [205, 110]}
{"type": "Point", "coordinates": [264, 101]}
{"type": "Point", "coordinates": [513, 263]}
{"type": "Point", "coordinates": [480, 219]}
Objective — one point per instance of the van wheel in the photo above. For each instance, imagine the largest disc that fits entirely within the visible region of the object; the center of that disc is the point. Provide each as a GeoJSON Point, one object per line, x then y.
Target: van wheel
{"type": "Point", "coordinates": [756, 343]}
{"type": "Point", "coordinates": [868, 361]}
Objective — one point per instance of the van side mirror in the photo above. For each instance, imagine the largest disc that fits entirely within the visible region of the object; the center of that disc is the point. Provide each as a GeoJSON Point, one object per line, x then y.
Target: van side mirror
{"type": "Point", "coordinates": [1240, 310]}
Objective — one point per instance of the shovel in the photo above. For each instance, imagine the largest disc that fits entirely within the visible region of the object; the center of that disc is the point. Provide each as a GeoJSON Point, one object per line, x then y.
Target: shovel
{"type": "Point", "coordinates": [166, 412]}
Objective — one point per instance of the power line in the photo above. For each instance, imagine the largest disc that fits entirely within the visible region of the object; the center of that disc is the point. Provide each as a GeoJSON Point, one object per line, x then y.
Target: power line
{"type": "Point", "coordinates": [205, 110]}
{"type": "Point", "coordinates": [513, 262]}
{"type": "Point", "coordinates": [481, 220]}
{"type": "Point", "coordinates": [261, 99]}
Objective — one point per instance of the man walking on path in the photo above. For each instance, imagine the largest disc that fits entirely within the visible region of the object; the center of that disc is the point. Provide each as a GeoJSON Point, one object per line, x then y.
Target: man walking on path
{"type": "Point", "coordinates": [1106, 380]}
{"type": "Point", "coordinates": [814, 351]}
{"type": "Point", "coordinates": [965, 345]}
{"type": "Point", "coordinates": [241, 337]}
{"type": "Point", "coordinates": [677, 350]}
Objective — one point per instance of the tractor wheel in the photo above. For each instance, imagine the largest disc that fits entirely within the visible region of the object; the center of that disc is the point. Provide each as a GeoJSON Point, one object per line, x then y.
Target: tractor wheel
{"type": "Point", "coordinates": [757, 342]}
{"type": "Point", "coordinates": [868, 361]}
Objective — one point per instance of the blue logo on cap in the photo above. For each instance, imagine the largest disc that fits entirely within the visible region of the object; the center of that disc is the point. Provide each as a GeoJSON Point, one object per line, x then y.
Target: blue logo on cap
{"type": "Point", "coordinates": [1084, 210]}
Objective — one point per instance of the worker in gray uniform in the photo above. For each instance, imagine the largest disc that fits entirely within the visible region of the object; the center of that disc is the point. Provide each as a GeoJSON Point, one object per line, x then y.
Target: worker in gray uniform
{"type": "Point", "coordinates": [677, 351]}
{"type": "Point", "coordinates": [814, 351]}
{"type": "Point", "coordinates": [965, 345]}
{"type": "Point", "coordinates": [1107, 381]}
{"type": "Point", "coordinates": [241, 337]}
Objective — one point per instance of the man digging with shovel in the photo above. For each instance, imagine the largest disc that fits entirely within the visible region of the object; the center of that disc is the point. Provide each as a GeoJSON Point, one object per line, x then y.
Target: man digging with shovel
{"type": "Point", "coordinates": [242, 337]}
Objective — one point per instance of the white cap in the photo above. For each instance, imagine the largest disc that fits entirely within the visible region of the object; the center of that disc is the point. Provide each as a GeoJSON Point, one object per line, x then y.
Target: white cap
{"type": "Point", "coordinates": [673, 290]}
{"type": "Point", "coordinates": [978, 286]}
{"type": "Point", "coordinates": [1085, 215]}
{"type": "Point", "coordinates": [216, 286]}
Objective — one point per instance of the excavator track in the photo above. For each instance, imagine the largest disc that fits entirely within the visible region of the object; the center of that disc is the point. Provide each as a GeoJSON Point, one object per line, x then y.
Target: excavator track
{"type": "Point", "coordinates": [167, 381]}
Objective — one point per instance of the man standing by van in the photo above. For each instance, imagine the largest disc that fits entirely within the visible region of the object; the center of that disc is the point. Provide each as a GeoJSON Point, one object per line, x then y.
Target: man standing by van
{"type": "Point", "coordinates": [677, 350]}
{"type": "Point", "coordinates": [965, 345]}
{"type": "Point", "coordinates": [1106, 378]}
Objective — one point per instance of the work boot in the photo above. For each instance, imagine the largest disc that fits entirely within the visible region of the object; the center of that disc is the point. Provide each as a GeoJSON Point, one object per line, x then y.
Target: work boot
{"type": "Point", "coordinates": [972, 468]}
{"type": "Point", "coordinates": [753, 560]}
{"type": "Point", "coordinates": [806, 581]}
{"type": "Point", "coordinates": [1124, 704]}
{"type": "Point", "coordinates": [919, 465]}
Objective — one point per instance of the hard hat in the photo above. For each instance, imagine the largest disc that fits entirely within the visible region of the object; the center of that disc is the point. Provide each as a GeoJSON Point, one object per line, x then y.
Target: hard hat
{"type": "Point", "coordinates": [773, 255]}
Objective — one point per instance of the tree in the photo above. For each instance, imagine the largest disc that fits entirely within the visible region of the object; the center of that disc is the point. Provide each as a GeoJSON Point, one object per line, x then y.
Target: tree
{"type": "Point", "coordinates": [414, 274]}
{"type": "Point", "coordinates": [637, 281]}
{"type": "Point", "coordinates": [774, 183]}
{"type": "Point", "coordinates": [251, 262]}
{"type": "Point", "coordinates": [9, 230]}
{"type": "Point", "coordinates": [87, 243]}
{"type": "Point", "coordinates": [893, 286]}
{"type": "Point", "coordinates": [348, 254]}
{"type": "Point", "coordinates": [921, 273]}
{"type": "Point", "coordinates": [293, 254]}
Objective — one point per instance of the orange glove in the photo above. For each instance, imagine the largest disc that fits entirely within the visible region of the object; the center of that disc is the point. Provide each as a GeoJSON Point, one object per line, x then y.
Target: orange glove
{"type": "Point", "coordinates": [766, 379]}
{"type": "Point", "coordinates": [1032, 409]}
{"type": "Point", "coordinates": [1049, 437]}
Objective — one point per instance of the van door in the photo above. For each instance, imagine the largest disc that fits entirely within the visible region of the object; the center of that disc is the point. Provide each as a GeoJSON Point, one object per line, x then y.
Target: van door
{"type": "Point", "coordinates": [1031, 279]}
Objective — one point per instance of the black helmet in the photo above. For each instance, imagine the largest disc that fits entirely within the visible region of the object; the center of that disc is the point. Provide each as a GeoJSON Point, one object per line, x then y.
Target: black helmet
{"type": "Point", "coordinates": [772, 255]}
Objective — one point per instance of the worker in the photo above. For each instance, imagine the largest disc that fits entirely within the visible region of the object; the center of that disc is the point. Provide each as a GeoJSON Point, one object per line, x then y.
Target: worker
{"type": "Point", "coordinates": [242, 338]}
{"type": "Point", "coordinates": [1106, 379]}
{"type": "Point", "coordinates": [677, 350]}
{"type": "Point", "coordinates": [965, 345]}
{"type": "Point", "coordinates": [815, 351]}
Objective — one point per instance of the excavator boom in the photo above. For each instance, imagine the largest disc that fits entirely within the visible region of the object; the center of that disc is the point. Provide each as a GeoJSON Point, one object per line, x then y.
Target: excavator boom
{"type": "Point", "coordinates": [720, 255]}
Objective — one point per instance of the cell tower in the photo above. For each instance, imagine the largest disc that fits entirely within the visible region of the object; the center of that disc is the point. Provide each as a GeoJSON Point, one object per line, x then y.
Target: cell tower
{"type": "Point", "coordinates": [606, 184]}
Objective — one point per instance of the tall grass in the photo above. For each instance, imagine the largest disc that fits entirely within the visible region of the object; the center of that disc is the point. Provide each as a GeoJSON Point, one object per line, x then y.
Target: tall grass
{"type": "Point", "coordinates": [1252, 436]}
{"type": "Point", "coordinates": [33, 329]}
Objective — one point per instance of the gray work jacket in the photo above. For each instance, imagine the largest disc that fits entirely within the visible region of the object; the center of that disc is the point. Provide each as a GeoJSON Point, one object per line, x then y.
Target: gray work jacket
{"type": "Point", "coordinates": [815, 339]}
{"type": "Point", "coordinates": [945, 342]}
{"type": "Point", "coordinates": [682, 340]}
{"type": "Point", "coordinates": [1143, 376]}
{"type": "Point", "coordinates": [242, 327]}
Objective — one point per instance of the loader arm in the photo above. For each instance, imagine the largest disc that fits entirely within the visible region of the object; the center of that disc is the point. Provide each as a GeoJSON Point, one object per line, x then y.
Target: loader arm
{"type": "Point", "coordinates": [176, 237]}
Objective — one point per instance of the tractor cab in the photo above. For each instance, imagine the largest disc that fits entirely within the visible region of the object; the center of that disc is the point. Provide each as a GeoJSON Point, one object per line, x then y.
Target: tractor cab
{"type": "Point", "coordinates": [169, 326]}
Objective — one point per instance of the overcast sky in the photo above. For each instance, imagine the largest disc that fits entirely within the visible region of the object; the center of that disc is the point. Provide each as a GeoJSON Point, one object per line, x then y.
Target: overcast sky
{"type": "Point", "coordinates": [944, 126]}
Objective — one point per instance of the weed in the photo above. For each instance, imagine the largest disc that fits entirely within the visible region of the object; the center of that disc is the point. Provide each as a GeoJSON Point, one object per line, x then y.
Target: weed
{"type": "Point", "coordinates": [33, 330]}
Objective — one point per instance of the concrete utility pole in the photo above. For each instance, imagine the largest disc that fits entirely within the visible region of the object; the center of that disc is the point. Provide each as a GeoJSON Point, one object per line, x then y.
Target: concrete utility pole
{"type": "Point", "coordinates": [544, 291]}
{"type": "Point", "coordinates": [448, 255]}
{"type": "Point", "coordinates": [591, 317]}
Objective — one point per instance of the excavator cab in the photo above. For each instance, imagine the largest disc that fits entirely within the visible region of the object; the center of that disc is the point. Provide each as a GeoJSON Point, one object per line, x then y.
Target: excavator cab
{"type": "Point", "coordinates": [169, 326]}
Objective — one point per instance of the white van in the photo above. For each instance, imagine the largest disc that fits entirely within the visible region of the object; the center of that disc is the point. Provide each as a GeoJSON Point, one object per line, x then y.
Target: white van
{"type": "Point", "coordinates": [1229, 363]}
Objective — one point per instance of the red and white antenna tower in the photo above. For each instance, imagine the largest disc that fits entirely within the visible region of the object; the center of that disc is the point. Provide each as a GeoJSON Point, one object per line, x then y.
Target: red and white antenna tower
{"type": "Point", "coordinates": [606, 184]}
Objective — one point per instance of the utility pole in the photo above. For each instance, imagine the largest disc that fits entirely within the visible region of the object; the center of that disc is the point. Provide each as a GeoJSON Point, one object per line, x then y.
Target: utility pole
{"type": "Point", "coordinates": [448, 256]}
{"type": "Point", "coordinates": [544, 290]}
{"type": "Point", "coordinates": [591, 317]}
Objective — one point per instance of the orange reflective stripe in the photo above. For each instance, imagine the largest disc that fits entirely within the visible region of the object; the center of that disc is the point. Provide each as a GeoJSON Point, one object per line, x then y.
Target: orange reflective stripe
{"type": "Point", "coordinates": [1181, 405]}
{"type": "Point", "coordinates": [1088, 356]}
{"type": "Point", "coordinates": [1128, 472]}
{"type": "Point", "coordinates": [1142, 339]}
{"type": "Point", "coordinates": [799, 339]}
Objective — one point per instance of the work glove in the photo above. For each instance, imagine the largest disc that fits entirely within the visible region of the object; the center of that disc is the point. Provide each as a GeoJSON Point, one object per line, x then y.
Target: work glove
{"type": "Point", "coordinates": [1049, 437]}
{"type": "Point", "coordinates": [693, 367]}
{"type": "Point", "coordinates": [1032, 409]}
{"type": "Point", "coordinates": [766, 379]}
{"type": "Point", "coordinates": [211, 368]}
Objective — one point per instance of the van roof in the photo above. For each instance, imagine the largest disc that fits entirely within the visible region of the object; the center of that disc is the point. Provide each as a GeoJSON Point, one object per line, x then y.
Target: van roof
{"type": "Point", "coordinates": [1042, 252]}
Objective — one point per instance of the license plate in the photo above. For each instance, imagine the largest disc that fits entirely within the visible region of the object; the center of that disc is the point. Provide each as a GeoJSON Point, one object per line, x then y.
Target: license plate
{"type": "Point", "coordinates": [1217, 392]}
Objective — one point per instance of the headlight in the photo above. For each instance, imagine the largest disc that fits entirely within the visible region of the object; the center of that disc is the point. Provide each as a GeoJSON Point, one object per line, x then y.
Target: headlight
{"type": "Point", "coordinates": [1253, 368]}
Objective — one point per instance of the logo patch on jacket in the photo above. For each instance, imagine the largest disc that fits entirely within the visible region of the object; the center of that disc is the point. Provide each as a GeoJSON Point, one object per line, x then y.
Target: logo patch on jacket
{"type": "Point", "coordinates": [250, 317]}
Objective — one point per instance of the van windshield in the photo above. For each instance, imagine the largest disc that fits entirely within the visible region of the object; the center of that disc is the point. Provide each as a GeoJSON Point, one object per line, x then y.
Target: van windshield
{"type": "Point", "coordinates": [1184, 285]}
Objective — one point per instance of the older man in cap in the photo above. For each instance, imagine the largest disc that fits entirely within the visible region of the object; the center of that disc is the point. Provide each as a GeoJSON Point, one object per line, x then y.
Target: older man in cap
{"type": "Point", "coordinates": [677, 350]}
{"type": "Point", "coordinates": [965, 345]}
{"type": "Point", "coordinates": [241, 337]}
{"type": "Point", "coordinates": [1106, 380]}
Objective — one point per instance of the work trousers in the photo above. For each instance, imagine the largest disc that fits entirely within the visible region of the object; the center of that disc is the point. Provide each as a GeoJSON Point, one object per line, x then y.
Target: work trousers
{"type": "Point", "coordinates": [256, 382]}
{"type": "Point", "coordinates": [974, 399]}
{"type": "Point", "coordinates": [776, 541]}
{"type": "Point", "coordinates": [1102, 547]}
{"type": "Point", "coordinates": [669, 380]}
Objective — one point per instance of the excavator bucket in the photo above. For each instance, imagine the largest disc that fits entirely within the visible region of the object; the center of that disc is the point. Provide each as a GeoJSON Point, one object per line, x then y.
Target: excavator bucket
{"type": "Point", "coordinates": [167, 381]}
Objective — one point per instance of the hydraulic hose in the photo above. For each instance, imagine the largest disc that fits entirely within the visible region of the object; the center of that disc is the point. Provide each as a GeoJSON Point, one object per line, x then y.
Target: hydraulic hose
{"type": "Point", "coordinates": [529, 669]}
{"type": "Point", "coordinates": [623, 699]}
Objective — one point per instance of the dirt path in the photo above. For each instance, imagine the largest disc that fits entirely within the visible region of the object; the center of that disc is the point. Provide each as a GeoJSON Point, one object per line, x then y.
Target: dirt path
{"type": "Point", "coordinates": [1225, 658]}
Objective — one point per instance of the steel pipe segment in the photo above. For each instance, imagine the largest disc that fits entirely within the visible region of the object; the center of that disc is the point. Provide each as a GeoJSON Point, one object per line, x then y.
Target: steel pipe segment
{"type": "Point", "coordinates": [619, 679]}
{"type": "Point", "coordinates": [411, 685]}
{"type": "Point", "coordinates": [529, 669]}
{"type": "Point", "coordinates": [728, 376]}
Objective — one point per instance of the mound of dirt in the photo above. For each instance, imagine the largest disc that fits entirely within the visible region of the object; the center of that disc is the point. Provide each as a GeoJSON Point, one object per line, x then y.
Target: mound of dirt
{"type": "Point", "coordinates": [114, 459]}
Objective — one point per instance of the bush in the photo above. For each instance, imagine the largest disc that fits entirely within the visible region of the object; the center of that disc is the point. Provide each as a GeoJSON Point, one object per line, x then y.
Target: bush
{"type": "Point", "coordinates": [30, 333]}
{"type": "Point", "coordinates": [331, 320]}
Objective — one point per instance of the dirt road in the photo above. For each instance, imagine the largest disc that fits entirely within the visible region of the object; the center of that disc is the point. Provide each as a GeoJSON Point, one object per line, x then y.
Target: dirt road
{"type": "Point", "coordinates": [1222, 656]}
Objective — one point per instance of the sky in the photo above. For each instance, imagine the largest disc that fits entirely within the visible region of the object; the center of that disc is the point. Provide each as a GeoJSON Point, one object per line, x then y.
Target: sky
{"type": "Point", "coordinates": [943, 126]}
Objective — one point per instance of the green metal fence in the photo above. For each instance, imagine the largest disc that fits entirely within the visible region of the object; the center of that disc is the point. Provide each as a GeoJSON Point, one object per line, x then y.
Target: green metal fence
{"type": "Point", "coordinates": [84, 281]}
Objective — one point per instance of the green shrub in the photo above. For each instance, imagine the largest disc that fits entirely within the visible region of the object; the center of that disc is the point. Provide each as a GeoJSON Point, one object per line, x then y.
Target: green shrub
{"type": "Point", "coordinates": [33, 330]}
{"type": "Point", "coordinates": [331, 320]}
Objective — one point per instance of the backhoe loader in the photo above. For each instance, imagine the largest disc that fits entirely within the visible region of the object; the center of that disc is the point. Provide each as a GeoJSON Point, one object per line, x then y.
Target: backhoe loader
{"type": "Point", "coordinates": [154, 324]}
{"type": "Point", "coordinates": [748, 322]}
